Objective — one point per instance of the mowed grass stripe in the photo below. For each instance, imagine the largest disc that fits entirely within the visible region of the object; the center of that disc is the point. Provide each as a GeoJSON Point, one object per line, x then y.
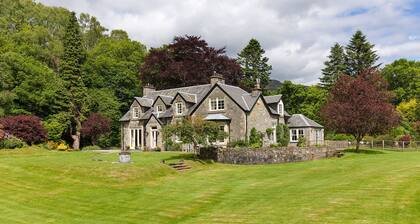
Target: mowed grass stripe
{"type": "Point", "coordinates": [86, 187]}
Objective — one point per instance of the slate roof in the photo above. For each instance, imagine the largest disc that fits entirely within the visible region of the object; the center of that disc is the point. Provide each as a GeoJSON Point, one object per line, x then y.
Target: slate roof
{"type": "Point", "coordinates": [126, 116]}
{"type": "Point", "coordinates": [145, 102]}
{"type": "Point", "coordinates": [167, 100]}
{"type": "Point", "coordinates": [272, 99]}
{"type": "Point", "coordinates": [200, 91]}
{"type": "Point", "coordinates": [194, 95]}
{"type": "Point", "coordinates": [244, 99]}
{"type": "Point", "coordinates": [300, 120]}
{"type": "Point", "coordinates": [189, 97]}
{"type": "Point", "coordinates": [216, 117]}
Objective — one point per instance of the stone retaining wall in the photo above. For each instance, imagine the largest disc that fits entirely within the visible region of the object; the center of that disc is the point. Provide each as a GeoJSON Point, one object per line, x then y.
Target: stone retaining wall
{"type": "Point", "coordinates": [266, 155]}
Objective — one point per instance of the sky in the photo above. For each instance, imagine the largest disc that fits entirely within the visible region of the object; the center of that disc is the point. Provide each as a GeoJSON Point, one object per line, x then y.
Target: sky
{"type": "Point", "coordinates": [296, 35]}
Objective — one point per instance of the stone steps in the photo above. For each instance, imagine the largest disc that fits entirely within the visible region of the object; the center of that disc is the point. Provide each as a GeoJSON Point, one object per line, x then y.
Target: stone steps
{"type": "Point", "coordinates": [180, 166]}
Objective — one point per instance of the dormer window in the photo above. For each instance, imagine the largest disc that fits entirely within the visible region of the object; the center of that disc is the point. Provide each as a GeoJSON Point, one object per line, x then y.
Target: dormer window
{"type": "Point", "coordinates": [136, 112]}
{"type": "Point", "coordinates": [280, 108]}
{"type": "Point", "coordinates": [179, 108]}
{"type": "Point", "coordinates": [160, 108]}
{"type": "Point", "coordinates": [217, 104]}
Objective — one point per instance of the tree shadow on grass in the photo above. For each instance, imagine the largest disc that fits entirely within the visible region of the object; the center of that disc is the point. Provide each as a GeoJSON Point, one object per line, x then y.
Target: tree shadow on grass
{"type": "Point", "coordinates": [191, 157]}
{"type": "Point", "coordinates": [364, 151]}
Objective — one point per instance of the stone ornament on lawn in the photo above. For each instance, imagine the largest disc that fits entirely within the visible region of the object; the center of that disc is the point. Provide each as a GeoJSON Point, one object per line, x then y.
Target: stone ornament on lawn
{"type": "Point", "coordinates": [125, 156]}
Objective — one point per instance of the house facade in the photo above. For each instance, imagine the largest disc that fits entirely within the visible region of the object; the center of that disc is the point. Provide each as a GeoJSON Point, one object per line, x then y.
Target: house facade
{"type": "Point", "coordinates": [234, 109]}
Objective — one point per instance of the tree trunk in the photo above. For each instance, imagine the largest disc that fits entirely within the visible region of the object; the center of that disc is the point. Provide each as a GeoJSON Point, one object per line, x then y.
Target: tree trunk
{"type": "Point", "coordinates": [76, 140]}
{"type": "Point", "coordinates": [357, 145]}
{"type": "Point", "coordinates": [76, 137]}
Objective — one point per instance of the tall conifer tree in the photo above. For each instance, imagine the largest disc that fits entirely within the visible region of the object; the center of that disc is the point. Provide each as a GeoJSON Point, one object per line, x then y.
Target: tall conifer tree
{"type": "Point", "coordinates": [360, 54]}
{"type": "Point", "coordinates": [334, 67]}
{"type": "Point", "coordinates": [71, 64]}
{"type": "Point", "coordinates": [254, 64]}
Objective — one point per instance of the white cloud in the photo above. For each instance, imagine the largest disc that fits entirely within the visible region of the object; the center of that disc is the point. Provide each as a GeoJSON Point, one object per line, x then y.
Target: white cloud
{"type": "Point", "coordinates": [296, 34]}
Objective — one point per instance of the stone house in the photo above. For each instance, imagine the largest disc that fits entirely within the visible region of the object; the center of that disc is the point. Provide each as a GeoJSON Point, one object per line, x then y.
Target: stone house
{"type": "Point", "coordinates": [301, 126]}
{"type": "Point", "coordinates": [236, 110]}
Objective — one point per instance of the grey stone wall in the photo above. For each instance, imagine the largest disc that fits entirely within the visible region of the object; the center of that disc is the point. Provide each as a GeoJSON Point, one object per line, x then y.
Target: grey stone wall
{"type": "Point", "coordinates": [261, 119]}
{"type": "Point", "coordinates": [266, 155]}
{"type": "Point", "coordinates": [232, 110]}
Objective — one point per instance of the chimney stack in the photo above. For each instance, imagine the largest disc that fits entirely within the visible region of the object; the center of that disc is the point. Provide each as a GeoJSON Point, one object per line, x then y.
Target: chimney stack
{"type": "Point", "coordinates": [148, 88]}
{"type": "Point", "coordinates": [217, 78]}
{"type": "Point", "coordinates": [257, 89]}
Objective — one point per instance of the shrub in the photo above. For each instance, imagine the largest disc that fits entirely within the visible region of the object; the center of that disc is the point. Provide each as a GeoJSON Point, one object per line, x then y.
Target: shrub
{"type": "Point", "coordinates": [2, 133]}
{"type": "Point", "coordinates": [282, 132]}
{"type": "Point", "coordinates": [238, 143]}
{"type": "Point", "coordinates": [405, 138]}
{"type": "Point", "coordinates": [63, 147]}
{"type": "Point", "coordinates": [95, 126]}
{"type": "Point", "coordinates": [25, 127]}
{"type": "Point", "coordinates": [92, 147]}
{"type": "Point", "coordinates": [255, 138]}
{"type": "Point", "coordinates": [52, 145]}
{"type": "Point", "coordinates": [11, 143]}
{"type": "Point", "coordinates": [301, 142]}
{"type": "Point", "coordinates": [56, 125]}
{"type": "Point", "coordinates": [338, 137]}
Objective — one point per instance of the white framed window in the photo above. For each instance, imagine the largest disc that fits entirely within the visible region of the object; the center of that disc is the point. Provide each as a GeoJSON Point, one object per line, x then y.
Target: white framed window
{"type": "Point", "coordinates": [301, 134]}
{"type": "Point", "coordinates": [160, 108]}
{"type": "Point", "coordinates": [295, 134]}
{"type": "Point", "coordinates": [136, 112]}
{"type": "Point", "coordinates": [280, 108]}
{"type": "Point", "coordinates": [179, 108]}
{"type": "Point", "coordinates": [217, 104]}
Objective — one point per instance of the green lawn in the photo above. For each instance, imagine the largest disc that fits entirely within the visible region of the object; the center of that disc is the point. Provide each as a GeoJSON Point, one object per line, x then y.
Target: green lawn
{"type": "Point", "coordinates": [40, 186]}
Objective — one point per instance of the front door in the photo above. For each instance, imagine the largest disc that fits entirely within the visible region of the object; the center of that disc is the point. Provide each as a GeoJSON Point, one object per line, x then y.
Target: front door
{"type": "Point", "coordinates": [154, 137]}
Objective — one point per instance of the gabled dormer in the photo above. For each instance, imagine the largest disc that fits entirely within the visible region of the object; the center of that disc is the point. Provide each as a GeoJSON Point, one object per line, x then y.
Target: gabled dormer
{"type": "Point", "coordinates": [161, 104]}
{"type": "Point", "coordinates": [180, 106]}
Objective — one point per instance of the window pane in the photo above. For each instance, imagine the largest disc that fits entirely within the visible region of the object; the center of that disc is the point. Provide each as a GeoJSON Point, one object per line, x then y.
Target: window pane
{"type": "Point", "coordinates": [221, 104]}
{"type": "Point", "coordinates": [222, 128]}
{"type": "Point", "coordinates": [213, 104]}
{"type": "Point", "coordinates": [179, 108]}
{"type": "Point", "coordinates": [294, 135]}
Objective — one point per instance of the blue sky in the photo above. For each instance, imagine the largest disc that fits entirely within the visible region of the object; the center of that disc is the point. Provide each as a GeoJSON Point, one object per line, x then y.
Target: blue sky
{"type": "Point", "coordinates": [296, 34]}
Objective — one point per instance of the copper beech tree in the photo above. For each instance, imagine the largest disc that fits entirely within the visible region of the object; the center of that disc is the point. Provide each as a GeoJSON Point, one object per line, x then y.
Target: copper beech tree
{"type": "Point", "coordinates": [188, 61]}
{"type": "Point", "coordinates": [360, 106]}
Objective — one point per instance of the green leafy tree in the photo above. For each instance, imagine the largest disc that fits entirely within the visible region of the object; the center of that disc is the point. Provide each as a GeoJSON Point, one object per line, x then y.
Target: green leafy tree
{"type": "Point", "coordinates": [74, 56]}
{"type": "Point", "coordinates": [334, 66]}
{"type": "Point", "coordinates": [114, 64]}
{"type": "Point", "coordinates": [254, 64]}
{"type": "Point", "coordinates": [300, 99]}
{"type": "Point", "coordinates": [403, 77]}
{"type": "Point", "coordinates": [360, 55]}
{"type": "Point", "coordinates": [56, 125]}
{"type": "Point", "coordinates": [104, 101]}
{"type": "Point", "coordinates": [194, 131]}
{"type": "Point", "coordinates": [29, 87]}
{"type": "Point", "coordinates": [92, 30]}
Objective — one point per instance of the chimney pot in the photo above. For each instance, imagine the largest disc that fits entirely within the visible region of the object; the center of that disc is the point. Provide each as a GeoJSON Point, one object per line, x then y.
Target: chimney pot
{"type": "Point", "coordinates": [257, 89]}
{"type": "Point", "coordinates": [217, 78]}
{"type": "Point", "coordinates": [148, 88]}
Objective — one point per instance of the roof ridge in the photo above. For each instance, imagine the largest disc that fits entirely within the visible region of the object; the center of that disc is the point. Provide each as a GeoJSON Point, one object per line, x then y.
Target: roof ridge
{"type": "Point", "coordinates": [304, 119]}
{"type": "Point", "coordinates": [180, 88]}
{"type": "Point", "coordinates": [245, 101]}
